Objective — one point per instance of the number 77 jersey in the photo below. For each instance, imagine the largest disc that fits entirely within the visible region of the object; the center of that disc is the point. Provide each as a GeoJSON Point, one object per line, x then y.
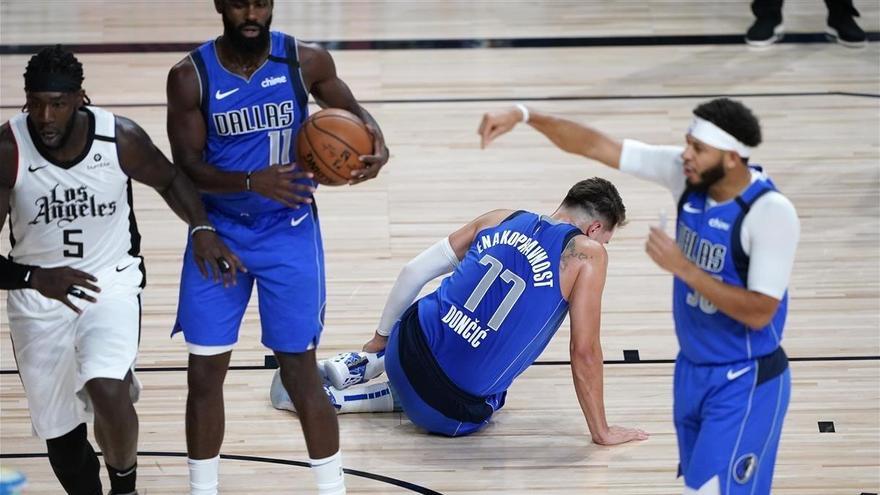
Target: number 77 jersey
{"type": "Point", "coordinates": [490, 319]}
{"type": "Point", "coordinates": [251, 122]}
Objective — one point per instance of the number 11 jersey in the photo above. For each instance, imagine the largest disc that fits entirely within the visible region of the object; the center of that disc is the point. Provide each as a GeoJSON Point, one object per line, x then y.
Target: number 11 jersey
{"type": "Point", "coordinates": [251, 123]}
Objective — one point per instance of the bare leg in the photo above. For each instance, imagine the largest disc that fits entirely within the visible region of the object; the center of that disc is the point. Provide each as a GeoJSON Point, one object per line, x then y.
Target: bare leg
{"type": "Point", "coordinates": [205, 414]}
{"type": "Point", "coordinates": [299, 374]}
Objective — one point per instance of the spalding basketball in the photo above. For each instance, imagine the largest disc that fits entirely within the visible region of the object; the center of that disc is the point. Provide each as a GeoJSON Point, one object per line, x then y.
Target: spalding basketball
{"type": "Point", "coordinates": [329, 144]}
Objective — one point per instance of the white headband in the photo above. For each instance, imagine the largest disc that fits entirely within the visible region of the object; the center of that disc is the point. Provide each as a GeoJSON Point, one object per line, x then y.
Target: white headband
{"type": "Point", "coordinates": [717, 137]}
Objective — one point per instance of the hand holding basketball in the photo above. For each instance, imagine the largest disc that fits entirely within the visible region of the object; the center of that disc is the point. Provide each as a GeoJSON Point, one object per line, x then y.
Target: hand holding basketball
{"type": "Point", "coordinates": [372, 163]}
{"type": "Point", "coordinates": [337, 147]}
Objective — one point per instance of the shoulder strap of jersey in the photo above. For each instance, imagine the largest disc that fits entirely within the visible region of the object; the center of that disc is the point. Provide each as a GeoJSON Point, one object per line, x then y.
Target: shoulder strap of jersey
{"type": "Point", "coordinates": [574, 232]}
{"type": "Point", "coordinates": [198, 62]}
{"type": "Point", "coordinates": [105, 125]}
{"type": "Point", "coordinates": [512, 216]}
{"type": "Point", "coordinates": [17, 134]}
{"type": "Point", "coordinates": [291, 60]}
{"type": "Point", "coordinates": [740, 258]}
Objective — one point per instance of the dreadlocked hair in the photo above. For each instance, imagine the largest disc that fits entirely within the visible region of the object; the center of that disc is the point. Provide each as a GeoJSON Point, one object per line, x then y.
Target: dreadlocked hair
{"type": "Point", "coordinates": [52, 61]}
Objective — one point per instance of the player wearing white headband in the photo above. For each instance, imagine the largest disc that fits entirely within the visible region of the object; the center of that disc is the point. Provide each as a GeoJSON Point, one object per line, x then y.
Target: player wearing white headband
{"type": "Point", "coordinates": [736, 239]}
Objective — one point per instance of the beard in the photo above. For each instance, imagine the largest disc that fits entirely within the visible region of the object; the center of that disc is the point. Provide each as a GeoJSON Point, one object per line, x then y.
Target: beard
{"type": "Point", "coordinates": [709, 177]}
{"type": "Point", "coordinates": [242, 43]}
{"type": "Point", "coordinates": [65, 136]}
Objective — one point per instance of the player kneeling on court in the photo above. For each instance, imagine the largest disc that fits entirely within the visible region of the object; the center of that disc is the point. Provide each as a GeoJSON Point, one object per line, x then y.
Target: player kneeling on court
{"type": "Point", "coordinates": [451, 356]}
{"type": "Point", "coordinates": [74, 303]}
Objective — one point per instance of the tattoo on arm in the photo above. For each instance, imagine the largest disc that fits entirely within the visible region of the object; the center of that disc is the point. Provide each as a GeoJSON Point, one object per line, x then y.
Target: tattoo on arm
{"type": "Point", "coordinates": [571, 253]}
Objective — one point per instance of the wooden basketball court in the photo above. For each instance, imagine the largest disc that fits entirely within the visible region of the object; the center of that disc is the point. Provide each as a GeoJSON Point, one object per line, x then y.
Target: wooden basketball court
{"type": "Point", "coordinates": [637, 71]}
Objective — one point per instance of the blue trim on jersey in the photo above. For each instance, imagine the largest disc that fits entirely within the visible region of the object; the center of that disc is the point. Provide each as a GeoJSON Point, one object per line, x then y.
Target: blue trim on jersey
{"type": "Point", "coordinates": [740, 258]}
{"type": "Point", "coordinates": [710, 238]}
{"type": "Point", "coordinates": [202, 73]}
{"type": "Point", "coordinates": [509, 279]}
{"type": "Point", "coordinates": [293, 66]}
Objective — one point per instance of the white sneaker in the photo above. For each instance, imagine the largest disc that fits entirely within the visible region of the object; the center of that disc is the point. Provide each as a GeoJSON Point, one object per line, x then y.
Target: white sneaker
{"type": "Point", "coordinates": [352, 368]}
{"type": "Point", "coordinates": [280, 399]}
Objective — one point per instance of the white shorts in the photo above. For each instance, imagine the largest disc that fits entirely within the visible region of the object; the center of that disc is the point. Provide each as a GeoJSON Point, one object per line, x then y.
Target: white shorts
{"type": "Point", "coordinates": [58, 351]}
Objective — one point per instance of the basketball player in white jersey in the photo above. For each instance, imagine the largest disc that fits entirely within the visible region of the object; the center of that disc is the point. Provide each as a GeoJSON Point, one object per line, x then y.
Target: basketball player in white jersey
{"type": "Point", "coordinates": [74, 274]}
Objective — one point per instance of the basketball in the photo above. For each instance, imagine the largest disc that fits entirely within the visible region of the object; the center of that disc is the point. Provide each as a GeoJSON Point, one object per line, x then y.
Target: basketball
{"type": "Point", "coordinates": [329, 143]}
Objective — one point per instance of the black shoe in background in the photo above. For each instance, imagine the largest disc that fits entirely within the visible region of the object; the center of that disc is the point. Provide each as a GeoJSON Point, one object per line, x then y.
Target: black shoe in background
{"type": "Point", "coordinates": [843, 29]}
{"type": "Point", "coordinates": [765, 31]}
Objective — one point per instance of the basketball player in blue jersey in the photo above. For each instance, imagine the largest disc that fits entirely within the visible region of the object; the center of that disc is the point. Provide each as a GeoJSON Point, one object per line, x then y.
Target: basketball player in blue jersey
{"type": "Point", "coordinates": [736, 238]}
{"type": "Point", "coordinates": [234, 107]}
{"type": "Point", "coordinates": [451, 356]}
{"type": "Point", "coordinates": [75, 274]}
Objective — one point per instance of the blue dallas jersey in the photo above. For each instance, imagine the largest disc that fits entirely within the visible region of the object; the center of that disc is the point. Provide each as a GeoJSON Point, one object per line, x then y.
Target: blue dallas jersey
{"type": "Point", "coordinates": [710, 237]}
{"type": "Point", "coordinates": [490, 319]}
{"type": "Point", "coordinates": [252, 123]}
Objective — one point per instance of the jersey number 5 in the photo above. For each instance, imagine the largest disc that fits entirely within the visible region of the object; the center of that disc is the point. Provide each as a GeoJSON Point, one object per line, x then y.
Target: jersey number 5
{"type": "Point", "coordinates": [76, 247]}
{"type": "Point", "coordinates": [496, 268]}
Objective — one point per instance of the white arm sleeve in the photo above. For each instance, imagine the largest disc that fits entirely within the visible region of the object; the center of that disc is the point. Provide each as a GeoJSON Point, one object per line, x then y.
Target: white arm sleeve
{"type": "Point", "coordinates": [437, 260]}
{"type": "Point", "coordinates": [770, 234]}
{"type": "Point", "coordinates": [659, 164]}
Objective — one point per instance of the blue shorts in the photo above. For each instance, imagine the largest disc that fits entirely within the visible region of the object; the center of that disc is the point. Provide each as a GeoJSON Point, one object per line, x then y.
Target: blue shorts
{"type": "Point", "coordinates": [412, 400]}
{"type": "Point", "coordinates": [728, 419]}
{"type": "Point", "coordinates": [284, 256]}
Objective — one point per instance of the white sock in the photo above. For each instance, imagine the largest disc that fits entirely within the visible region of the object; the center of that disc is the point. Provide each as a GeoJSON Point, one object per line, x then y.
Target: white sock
{"type": "Point", "coordinates": [368, 397]}
{"type": "Point", "coordinates": [203, 475]}
{"type": "Point", "coordinates": [328, 474]}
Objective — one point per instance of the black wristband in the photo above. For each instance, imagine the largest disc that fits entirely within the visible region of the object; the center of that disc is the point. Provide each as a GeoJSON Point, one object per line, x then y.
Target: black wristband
{"type": "Point", "coordinates": [15, 275]}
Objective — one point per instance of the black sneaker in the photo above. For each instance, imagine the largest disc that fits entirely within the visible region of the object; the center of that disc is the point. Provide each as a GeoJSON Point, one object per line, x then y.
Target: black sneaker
{"type": "Point", "coordinates": [765, 31]}
{"type": "Point", "coordinates": [844, 30]}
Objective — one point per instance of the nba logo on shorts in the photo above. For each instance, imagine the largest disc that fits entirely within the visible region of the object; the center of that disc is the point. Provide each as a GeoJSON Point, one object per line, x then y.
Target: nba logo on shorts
{"type": "Point", "coordinates": [744, 468]}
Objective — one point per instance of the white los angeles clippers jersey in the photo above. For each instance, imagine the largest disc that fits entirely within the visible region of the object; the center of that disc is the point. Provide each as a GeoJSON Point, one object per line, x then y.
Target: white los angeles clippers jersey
{"type": "Point", "coordinates": [75, 214]}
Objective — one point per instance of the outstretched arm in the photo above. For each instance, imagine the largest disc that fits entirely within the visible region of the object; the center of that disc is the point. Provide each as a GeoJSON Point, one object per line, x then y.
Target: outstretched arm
{"type": "Point", "coordinates": [590, 261]}
{"type": "Point", "coordinates": [319, 72]}
{"type": "Point", "coordinates": [567, 135]}
{"type": "Point", "coordinates": [142, 161]}
{"type": "Point", "coordinates": [437, 260]}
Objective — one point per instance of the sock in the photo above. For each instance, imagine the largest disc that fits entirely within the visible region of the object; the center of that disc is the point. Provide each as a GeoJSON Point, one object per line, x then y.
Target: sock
{"type": "Point", "coordinates": [203, 475]}
{"type": "Point", "coordinates": [328, 474]}
{"type": "Point", "coordinates": [122, 481]}
{"type": "Point", "coordinates": [371, 397]}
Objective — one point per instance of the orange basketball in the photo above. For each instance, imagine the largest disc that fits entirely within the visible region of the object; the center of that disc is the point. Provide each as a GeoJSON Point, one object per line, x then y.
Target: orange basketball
{"type": "Point", "coordinates": [329, 144]}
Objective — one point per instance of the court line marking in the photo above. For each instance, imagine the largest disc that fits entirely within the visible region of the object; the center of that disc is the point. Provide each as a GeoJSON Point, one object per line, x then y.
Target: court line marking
{"type": "Point", "coordinates": [451, 43]}
{"type": "Point", "coordinates": [544, 98]}
{"type": "Point", "coordinates": [270, 460]}
{"type": "Point", "coordinates": [157, 369]}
